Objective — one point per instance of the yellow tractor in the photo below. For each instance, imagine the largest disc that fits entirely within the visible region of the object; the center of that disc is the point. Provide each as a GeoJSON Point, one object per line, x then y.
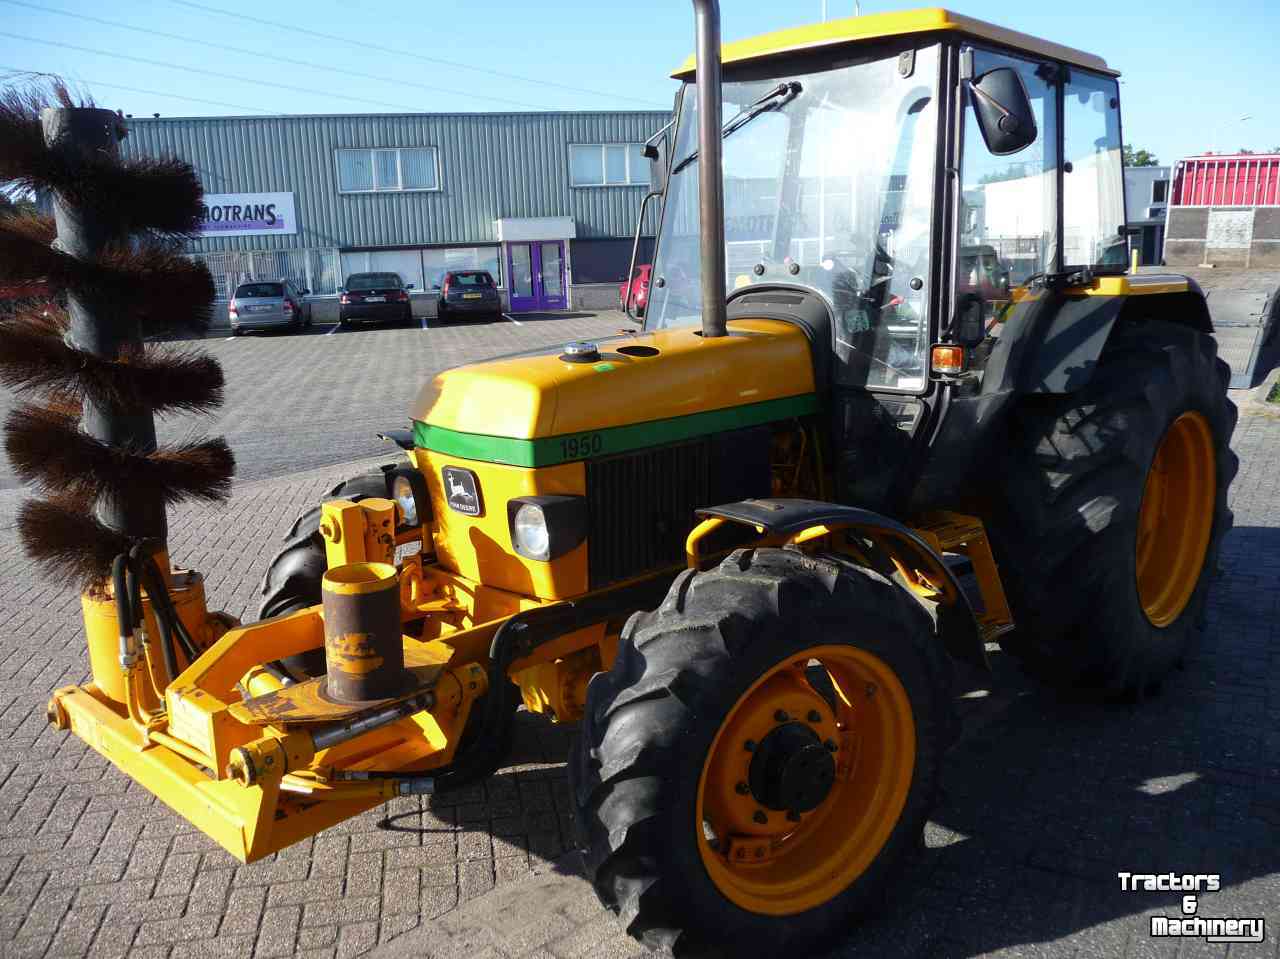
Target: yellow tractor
{"type": "Point", "coordinates": [731, 542]}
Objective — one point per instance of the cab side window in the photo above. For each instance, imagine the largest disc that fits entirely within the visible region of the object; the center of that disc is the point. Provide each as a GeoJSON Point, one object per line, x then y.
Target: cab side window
{"type": "Point", "coordinates": [1008, 207]}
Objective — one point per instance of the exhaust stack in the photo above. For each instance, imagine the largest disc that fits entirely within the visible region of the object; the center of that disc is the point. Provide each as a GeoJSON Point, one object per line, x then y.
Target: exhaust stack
{"type": "Point", "coordinates": [710, 169]}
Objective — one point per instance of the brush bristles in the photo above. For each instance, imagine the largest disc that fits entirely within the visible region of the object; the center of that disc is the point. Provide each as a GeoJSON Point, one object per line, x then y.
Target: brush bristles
{"type": "Point", "coordinates": [162, 289]}
{"type": "Point", "coordinates": [47, 447]}
{"type": "Point", "coordinates": [167, 291]}
{"type": "Point", "coordinates": [150, 206]}
{"type": "Point", "coordinates": [68, 541]}
{"type": "Point", "coordinates": [147, 194]}
{"type": "Point", "coordinates": [34, 358]}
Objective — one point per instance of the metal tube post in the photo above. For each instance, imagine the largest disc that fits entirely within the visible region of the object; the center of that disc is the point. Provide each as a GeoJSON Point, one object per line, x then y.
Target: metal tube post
{"type": "Point", "coordinates": [101, 327]}
{"type": "Point", "coordinates": [710, 167]}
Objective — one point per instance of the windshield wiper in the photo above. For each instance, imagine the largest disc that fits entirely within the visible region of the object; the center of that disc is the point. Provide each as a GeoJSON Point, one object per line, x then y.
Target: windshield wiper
{"type": "Point", "coordinates": [775, 99]}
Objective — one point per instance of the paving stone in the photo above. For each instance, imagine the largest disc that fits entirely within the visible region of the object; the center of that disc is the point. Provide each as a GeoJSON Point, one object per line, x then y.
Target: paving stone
{"type": "Point", "coordinates": [1042, 801]}
{"type": "Point", "coordinates": [278, 933]}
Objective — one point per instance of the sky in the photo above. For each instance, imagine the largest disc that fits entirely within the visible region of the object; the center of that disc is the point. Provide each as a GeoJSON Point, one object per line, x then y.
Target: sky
{"type": "Point", "coordinates": [1191, 70]}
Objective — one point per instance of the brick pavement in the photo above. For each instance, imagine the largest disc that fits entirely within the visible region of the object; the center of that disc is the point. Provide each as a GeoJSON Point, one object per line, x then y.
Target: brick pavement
{"type": "Point", "coordinates": [1043, 801]}
{"type": "Point", "coordinates": [301, 401]}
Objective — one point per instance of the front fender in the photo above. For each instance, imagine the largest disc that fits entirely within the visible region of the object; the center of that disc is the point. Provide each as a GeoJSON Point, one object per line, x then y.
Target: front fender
{"type": "Point", "coordinates": [790, 517]}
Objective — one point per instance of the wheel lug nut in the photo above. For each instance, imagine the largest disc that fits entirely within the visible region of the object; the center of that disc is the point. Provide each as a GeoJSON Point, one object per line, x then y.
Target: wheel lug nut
{"type": "Point", "coordinates": [742, 789]}
{"type": "Point", "coordinates": [815, 716]}
{"type": "Point", "coordinates": [781, 716]}
{"type": "Point", "coordinates": [749, 745]}
{"type": "Point", "coordinates": [760, 817]}
{"type": "Point", "coordinates": [831, 746]}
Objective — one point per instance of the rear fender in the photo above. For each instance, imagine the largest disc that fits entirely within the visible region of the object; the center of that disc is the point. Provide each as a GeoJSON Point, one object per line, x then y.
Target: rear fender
{"type": "Point", "coordinates": [1052, 339]}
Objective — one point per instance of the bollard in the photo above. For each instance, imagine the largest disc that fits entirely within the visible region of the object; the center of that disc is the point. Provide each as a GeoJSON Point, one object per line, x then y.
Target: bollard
{"type": "Point", "coordinates": [363, 646]}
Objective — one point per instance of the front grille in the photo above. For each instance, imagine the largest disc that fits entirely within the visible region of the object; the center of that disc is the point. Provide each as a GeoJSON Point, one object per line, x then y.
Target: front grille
{"type": "Point", "coordinates": [641, 507]}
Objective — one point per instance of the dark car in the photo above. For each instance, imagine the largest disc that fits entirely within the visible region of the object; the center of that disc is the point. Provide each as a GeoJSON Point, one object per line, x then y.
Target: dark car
{"type": "Point", "coordinates": [267, 305]}
{"type": "Point", "coordinates": [468, 293]}
{"type": "Point", "coordinates": [374, 297]}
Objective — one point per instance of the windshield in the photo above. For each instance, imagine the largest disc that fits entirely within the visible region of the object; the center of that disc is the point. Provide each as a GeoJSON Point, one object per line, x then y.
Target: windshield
{"type": "Point", "coordinates": [471, 279]}
{"type": "Point", "coordinates": [829, 188]}
{"type": "Point", "coordinates": [252, 290]}
{"type": "Point", "coordinates": [372, 281]}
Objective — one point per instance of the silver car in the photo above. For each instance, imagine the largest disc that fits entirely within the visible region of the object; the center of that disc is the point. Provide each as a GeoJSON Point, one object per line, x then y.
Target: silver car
{"type": "Point", "coordinates": [268, 305]}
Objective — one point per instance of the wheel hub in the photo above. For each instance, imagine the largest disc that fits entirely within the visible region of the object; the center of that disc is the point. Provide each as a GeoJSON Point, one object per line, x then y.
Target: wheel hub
{"type": "Point", "coordinates": [791, 770]}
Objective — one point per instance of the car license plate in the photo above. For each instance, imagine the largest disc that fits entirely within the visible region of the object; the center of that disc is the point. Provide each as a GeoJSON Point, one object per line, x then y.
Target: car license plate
{"type": "Point", "coordinates": [375, 299]}
{"type": "Point", "coordinates": [261, 309]}
{"type": "Point", "coordinates": [471, 296]}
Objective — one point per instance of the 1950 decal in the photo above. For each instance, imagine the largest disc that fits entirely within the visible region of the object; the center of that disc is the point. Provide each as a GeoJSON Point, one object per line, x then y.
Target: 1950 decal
{"type": "Point", "coordinates": [582, 445]}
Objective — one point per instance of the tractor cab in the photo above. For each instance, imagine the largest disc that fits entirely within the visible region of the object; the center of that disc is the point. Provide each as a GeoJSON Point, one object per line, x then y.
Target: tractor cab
{"type": "Point", "coordinates": [894, 182]}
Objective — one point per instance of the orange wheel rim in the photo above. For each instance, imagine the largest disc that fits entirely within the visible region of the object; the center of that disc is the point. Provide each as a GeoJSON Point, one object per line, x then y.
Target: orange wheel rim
{"type": "Point", "coordinates": [784, 861]}
{"type": "Point", "coordinates": [1176, 518]}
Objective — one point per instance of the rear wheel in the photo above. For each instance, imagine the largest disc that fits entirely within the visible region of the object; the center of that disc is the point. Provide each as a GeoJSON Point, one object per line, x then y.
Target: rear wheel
{"type": "Point", "coordinates": [292, 581]}
{"type": "Point", "coordinates": [763, 754]}
{"type": "Point", "coordinates": [1114, 508]}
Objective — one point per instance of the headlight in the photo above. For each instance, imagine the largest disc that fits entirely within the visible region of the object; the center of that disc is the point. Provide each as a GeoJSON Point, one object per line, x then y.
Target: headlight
{"type": "Point", "coordinates": [402, 493]}
{"type": "Point", "coordinates": [547, 527]}
{"type": "Point", "coordinates": [529, 532]}
{"type": "Point", "coordinates": [407, 487]}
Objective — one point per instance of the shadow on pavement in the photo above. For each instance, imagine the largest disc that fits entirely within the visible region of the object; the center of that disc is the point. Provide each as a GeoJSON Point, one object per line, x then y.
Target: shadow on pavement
{"type": "Point", "coordinates": [1046, 798]}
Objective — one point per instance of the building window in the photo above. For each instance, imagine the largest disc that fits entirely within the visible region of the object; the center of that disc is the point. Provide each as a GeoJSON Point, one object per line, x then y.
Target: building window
{"type": "Point", "coordinates": [1159, 190]}
{"type": "Point", "coordinates": [607, 164]}
{"type": "Point", "coordinates": [388, 171]}
{"type": "Point", "coordinates": [437, 262]}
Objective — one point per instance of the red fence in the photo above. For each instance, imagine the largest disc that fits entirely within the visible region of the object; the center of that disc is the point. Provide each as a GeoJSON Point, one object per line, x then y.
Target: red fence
{"type": "Point", "coordinates": [1246, 179]}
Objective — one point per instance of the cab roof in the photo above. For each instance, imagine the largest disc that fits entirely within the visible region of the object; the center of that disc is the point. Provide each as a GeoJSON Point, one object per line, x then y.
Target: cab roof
{"type": "Point", "coordinates": [879, 26]}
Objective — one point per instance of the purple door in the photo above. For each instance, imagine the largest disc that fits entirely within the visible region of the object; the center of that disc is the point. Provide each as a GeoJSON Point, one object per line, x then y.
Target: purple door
{"type": "Point", "coordinates": [536, 272]}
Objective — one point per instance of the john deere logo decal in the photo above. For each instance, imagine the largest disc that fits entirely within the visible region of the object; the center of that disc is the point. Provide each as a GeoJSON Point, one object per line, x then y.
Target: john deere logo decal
{"type": "Point", "coordinates": [462, 490]}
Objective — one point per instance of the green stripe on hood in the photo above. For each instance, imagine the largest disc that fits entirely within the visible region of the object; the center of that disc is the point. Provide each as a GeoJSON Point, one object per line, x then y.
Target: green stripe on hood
{"type": "Point", "coordinates": [567, 448]}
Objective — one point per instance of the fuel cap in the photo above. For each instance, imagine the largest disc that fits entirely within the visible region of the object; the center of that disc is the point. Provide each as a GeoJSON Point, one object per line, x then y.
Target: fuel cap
{"type": "Point", "coordinates": [580, 352]}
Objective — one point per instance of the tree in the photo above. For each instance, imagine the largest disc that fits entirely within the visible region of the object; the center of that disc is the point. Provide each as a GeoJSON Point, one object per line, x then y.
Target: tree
{"type": "Point", "coordinates": [15, 206]}
{"type": "Point", "coordinates": [1014, 171]}
{"type": "Point", "coordinates": [1139, 157]}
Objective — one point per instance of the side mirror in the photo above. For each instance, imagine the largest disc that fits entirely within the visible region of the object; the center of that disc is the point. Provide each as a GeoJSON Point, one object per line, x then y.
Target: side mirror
{"type": "Point", "coordinates": [969, 323]}
{"type": "Point", "coordinates": [408, 286]}
{"type": "Point", "coordinates": [435, 286]}
{"type": "Point", "coordinates": [304, 293]}
{"type": "Point", "coordinates": [659, 159]}
{"type": "Point", "coordinates": [342, 289]}
{"type": "Point", "coordinates": [1003, 111]}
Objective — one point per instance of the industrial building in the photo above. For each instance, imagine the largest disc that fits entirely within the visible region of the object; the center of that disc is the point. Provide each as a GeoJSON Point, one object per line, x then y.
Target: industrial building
{"type": "Point", "coordinates": [1146, 199]}
{"type": "Point", "coordinates": [547, 202]}
{"type": "Point", "coordinates": [1224, 210]}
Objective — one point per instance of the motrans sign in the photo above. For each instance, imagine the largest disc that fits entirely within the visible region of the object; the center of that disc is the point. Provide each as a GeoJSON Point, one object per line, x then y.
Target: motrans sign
{"type": "Point", "coordinates": [247, 214]}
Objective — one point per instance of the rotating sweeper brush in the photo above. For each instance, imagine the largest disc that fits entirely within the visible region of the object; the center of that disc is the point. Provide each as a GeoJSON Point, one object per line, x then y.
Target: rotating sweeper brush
{"type": "Point", "coordinates": [110, 260]}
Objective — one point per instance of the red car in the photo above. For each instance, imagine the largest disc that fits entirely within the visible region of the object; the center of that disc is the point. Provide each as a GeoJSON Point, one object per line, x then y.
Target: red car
{"type": "Point", "coordinates": [637, 289]}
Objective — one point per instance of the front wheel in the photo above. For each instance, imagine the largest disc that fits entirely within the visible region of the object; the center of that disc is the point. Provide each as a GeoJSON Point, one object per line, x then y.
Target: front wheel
{"type": "Point", "coordinates": [763, 754]}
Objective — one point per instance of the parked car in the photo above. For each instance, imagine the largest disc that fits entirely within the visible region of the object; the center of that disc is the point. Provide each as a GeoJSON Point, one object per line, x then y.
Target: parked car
{"type": "Point", "coordinates": [637, 288]}
{"type": "Point", "coordinates": [468, 293]}
{"type": "Point", "coordinates": [266, 305]}
{"type": "Point", "coordinates": [373, 297]}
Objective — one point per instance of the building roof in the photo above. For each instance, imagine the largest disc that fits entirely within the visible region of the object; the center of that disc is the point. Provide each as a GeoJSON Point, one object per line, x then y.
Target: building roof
{"type": "Point", "coordinates": [879, 26]}
{"type": "Point", "coordinates": [491, 115]}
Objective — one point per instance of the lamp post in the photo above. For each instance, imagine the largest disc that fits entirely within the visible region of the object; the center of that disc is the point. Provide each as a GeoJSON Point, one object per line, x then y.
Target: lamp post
{"type": "Point", "coordinates": [1222, 128]}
